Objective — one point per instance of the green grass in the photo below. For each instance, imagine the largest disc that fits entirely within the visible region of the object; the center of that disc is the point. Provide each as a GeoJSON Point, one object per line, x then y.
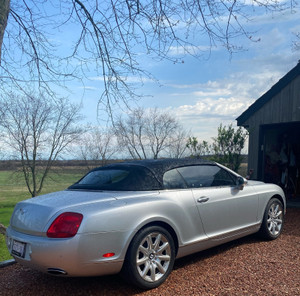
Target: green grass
{"type": "Point", "coordinates": [13, 189]}
{"type": "Point", "coordinates": [4, 254]}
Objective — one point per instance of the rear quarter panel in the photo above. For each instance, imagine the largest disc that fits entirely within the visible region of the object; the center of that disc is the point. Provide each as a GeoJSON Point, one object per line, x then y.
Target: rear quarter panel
{"type": "Point", "coordinates": [116, 223]}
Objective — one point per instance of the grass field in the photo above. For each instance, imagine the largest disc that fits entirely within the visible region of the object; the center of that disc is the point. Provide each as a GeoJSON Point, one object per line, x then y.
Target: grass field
{"type": "Point", "coordinates": [13, 190]}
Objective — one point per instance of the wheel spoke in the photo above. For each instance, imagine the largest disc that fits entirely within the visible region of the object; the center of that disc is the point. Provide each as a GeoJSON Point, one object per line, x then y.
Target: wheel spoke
{"type": "Point", "coordinates": [145, 270]}
{"type": "Point", "coordinates": [142, 261]}
{"type": "Point", "coordinates": [163, 247]}
{"type": "Point", "coordinates": [160, 268]}
{"type": "Point", "coordinates": [143, 250]}
{"type": "Point", "coordinates": [149, 242]}
{"type": "Point", "coordinates": [164, 257]}
{"type": "Point", "coordinates": [153, 274]}
{"type": "Point", "coordinates": [270, 226]}
{"type": "Point", "coordinates": [273, 229]}
{"type": "Point", "coordinates": [157, 242]}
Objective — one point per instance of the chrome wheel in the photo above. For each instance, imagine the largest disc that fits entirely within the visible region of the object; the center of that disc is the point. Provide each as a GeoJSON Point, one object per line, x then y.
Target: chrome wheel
{"type": "Point", "coordinates": [275, 219]}
{"type": "Point", "coordinates": [150, 257]}
{"type": "Point", "coordinates": [153, 257]}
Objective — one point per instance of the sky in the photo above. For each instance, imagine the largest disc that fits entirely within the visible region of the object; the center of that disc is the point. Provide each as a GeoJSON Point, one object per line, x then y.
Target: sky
{"type": "Point", "coordinates": [216, 88]}
{"type": "Point", "coordinates": [205, 92]}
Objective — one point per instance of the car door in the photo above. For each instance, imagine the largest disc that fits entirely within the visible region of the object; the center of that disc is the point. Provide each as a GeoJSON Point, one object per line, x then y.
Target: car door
{"type": "Point", "coordinates": [188, 221]}
{"type": "Point", "coordinates": [224, 208]}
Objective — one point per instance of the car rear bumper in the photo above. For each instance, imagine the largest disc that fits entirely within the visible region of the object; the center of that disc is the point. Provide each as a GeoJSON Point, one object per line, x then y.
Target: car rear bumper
{"type": "Point", "coordinates": [69, 257]}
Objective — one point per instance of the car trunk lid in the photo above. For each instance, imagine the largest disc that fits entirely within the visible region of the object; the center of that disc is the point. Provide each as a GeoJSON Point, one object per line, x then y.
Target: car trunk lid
{"type": "Point", "coordinates": [33, 215]}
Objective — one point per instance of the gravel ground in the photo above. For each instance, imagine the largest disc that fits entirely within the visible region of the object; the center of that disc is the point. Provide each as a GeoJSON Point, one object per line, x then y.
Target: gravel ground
{"type": "Point", "coordinates": [247, 266]}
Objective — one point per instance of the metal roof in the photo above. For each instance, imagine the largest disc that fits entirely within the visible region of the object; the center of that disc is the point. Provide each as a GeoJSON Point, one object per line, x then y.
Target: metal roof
{"type": "Point", "coordinates": [275, 89]}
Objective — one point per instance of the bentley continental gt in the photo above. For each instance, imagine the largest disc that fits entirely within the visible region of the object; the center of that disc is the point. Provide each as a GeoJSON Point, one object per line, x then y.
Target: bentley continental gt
{"type": "Point", "coordinates": [137, 217]}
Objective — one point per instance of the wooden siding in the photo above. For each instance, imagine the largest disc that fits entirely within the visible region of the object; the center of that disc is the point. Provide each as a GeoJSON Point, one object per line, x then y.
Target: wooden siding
{"type": "Point", "coordinates": [282, 108]}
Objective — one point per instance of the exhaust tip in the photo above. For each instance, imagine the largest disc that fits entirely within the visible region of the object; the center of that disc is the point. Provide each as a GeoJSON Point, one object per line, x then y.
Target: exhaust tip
{"type": "Point", "coordinates": [57, 271]}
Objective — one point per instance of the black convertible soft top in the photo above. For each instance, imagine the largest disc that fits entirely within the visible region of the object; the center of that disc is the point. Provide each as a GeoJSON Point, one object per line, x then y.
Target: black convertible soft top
{"type": "Point", "coordinates": [160, 166]}
{"type": "Point", "coordinates": [133, 175]}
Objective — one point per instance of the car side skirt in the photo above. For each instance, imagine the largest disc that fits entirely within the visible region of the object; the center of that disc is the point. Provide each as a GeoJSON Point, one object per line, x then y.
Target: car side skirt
{"type": "Point", "coordinates": [205, 244]}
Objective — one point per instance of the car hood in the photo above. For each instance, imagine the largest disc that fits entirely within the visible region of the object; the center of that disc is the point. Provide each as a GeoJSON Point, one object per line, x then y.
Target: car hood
{"type": "Point", "coordinates": [33, 215]}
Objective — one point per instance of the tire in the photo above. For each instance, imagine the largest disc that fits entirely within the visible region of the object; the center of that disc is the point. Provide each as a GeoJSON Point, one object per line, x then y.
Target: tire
{"type": "Point", "coordinates": [272, 223]}
{"type": "Point", "coordinates": [150, 257]}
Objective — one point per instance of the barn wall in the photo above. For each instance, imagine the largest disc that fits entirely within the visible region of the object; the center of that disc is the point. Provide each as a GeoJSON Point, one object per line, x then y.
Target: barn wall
{"type": "Point", "coordinates": [282, 108]}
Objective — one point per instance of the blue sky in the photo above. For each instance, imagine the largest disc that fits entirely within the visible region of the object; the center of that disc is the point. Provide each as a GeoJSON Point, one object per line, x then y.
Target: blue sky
{"type": "Point", "coordinates": [217, 88]}
{"type": "Point", "coordinates": [205, 92]}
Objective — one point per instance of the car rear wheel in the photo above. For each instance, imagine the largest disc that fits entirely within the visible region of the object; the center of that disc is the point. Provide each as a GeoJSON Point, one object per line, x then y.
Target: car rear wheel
{"type": "Point", "coordinates": [150, 257]}
{"type": "Point", "coordinates": [273, 220]}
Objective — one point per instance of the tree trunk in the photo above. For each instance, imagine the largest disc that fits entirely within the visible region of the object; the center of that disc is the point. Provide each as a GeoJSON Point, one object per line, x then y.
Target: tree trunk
{"type": "Point", "coordinates": [2, 229]}
{"type": "Point", "coordinates": [4, 11]}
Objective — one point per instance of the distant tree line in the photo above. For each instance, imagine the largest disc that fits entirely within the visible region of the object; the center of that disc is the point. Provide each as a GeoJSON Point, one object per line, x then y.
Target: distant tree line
{"type": "Point", "coordinates": [38, 131]}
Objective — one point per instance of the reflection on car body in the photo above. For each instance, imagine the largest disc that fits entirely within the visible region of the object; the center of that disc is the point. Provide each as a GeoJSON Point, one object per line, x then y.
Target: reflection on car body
{"type": "Point", "coordinates": [137, 217]}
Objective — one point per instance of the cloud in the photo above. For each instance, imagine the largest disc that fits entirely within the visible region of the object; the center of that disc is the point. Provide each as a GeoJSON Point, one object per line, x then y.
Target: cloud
{"type": "Point", "coordinates": [127, 79]}
{"type": "Point", "coordinates": [192, 50]}
{"type": "Point", "coordinates": [92, 88]}
{"type": "Point", "coordinates": [223, 100]}
{"type": "Point", "coordinates": [221, 108]}
{"type": "Point", "coordinates": [278, 17]}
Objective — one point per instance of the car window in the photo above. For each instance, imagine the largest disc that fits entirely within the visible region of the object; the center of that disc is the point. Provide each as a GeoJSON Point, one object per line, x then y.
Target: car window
{"type": "Point", "coordinates": [103, 177]}
{"type": "Point", "coordinates": [205, 176]}
{"type": "Point", "coordinates": [173, 180]}
{"type": "Point", "coordinates": [118, 179]}
{"type": "Point", "coordinates": [223, 178]}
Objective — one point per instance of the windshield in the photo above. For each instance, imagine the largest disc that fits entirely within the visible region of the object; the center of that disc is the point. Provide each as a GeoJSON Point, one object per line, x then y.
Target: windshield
{"type": "Point", "coordinates": [118, 179]}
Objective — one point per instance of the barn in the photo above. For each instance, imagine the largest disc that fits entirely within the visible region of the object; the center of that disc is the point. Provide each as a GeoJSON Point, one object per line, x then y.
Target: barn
{"type": "Point", "coordinates": [273, 123]}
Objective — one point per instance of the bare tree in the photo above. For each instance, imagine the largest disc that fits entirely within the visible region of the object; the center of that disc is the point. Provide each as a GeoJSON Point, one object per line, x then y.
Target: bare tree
{"type": "Point", "coordinates": [131, 135]}
{"type": "Point", "coordinates": [97, 146]}
{"type": "Point", "coordinates": [38, 130]}
{"type": "Point", "coordinates": [147, 133]}
{"type": "Point", "coordinates": [177, 147]}
{"type": "Point", "coordinates": [108, 36]}
{"type": "Point", "coordinates": [4, 11]}
{"type": "Point", "coordinates": [296, 42]}
{"type": "Point", "coordinates": [160, 126]}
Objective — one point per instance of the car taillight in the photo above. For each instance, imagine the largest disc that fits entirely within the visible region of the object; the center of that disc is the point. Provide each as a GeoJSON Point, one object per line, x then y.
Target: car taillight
{"type": "Point", "coordinates": [65, 225]}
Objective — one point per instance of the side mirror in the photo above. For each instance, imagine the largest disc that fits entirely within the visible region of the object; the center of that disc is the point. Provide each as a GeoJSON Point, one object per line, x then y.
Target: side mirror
{"type": "Point", "coordinates": [240, 183]}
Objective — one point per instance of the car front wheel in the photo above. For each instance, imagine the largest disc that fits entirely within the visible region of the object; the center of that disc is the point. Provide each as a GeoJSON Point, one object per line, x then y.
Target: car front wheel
{"type": "Point", "coordinates": [150, 257]}
{"type": "Point", "coordinates": [273, 220]}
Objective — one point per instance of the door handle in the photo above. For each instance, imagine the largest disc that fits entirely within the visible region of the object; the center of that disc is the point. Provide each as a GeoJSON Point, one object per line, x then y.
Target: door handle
{"type": "Point", "coordinates": [202, 199]}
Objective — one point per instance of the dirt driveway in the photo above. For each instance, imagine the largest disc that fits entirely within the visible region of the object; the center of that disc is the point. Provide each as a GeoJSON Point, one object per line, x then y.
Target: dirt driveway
{"type": "Point", "coordinates": [248, 266]}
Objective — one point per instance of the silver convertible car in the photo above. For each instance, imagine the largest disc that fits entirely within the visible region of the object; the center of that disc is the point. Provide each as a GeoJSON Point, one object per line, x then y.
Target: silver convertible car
{"type": "Point", "coordinates": [137, 217]}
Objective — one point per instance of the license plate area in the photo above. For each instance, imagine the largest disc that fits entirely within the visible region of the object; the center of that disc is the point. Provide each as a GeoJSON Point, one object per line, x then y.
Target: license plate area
{"type": "Point", "coordinates": [18, 249]}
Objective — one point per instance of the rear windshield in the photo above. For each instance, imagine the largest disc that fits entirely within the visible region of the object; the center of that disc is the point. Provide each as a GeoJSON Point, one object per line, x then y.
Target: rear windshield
{"type": "Point", "coordinates": [118, 179]}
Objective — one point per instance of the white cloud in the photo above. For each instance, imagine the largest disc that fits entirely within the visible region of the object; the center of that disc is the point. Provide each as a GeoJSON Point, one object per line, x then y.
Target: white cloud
{"type": "Point", "coordinates": [193, 50]}
{"type": "Point", "coordinates": [221, 101]}
{"type": "Point", "coordinates": [127, 79]}
{"type": "Point", "coordinates": [277, 17]}
{"type": "Point", "coordinates": [92, 88]}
